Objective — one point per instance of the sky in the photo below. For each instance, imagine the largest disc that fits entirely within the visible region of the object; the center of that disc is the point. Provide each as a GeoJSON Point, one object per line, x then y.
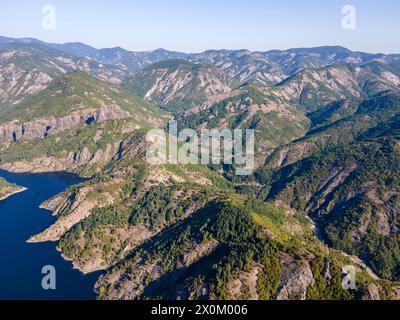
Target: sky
{"type": "Point", "coordinates": [199, 25]}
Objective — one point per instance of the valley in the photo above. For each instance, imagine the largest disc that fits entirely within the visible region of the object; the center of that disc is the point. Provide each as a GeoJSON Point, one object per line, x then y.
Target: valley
{"type": "Point", "coordinates": [327, 154]}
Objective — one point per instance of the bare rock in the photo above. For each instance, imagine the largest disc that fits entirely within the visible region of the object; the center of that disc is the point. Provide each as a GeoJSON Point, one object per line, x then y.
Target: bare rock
{"type": "Point", "coordinates": [297, 277]}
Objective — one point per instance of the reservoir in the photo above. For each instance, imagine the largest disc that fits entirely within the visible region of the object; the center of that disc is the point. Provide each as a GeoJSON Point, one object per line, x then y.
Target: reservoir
{"type": "Point", "coordinates": [21, 263]}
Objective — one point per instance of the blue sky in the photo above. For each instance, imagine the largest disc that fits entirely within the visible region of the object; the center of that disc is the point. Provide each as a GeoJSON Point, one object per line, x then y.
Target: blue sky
{"type": "Point", "coordinates": [194, 26]}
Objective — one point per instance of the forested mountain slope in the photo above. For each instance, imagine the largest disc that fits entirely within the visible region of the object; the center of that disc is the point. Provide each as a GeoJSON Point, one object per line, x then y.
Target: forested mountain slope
{"type": "Point", "coordinates": [324, 193]}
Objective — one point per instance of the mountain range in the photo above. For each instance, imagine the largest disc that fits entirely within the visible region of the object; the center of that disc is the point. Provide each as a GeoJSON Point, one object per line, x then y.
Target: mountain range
{"type": "Point", "coordinates": [325, 193]}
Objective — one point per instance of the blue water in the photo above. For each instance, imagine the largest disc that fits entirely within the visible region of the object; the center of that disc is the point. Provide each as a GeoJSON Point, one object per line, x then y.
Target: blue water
{"type": "Point", "coordinates": [21, 263]}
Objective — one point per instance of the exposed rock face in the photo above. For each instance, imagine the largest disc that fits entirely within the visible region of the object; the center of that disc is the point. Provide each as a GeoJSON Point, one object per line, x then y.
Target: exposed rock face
{"type": "Point", "coordinates": [14, 131]}
{"type": "Point", "coordinates": [266, 108]}
{"type": "Point", "coordinates": [178, 83]}
{"type": "Point", "coordinates": [245, 285]}
{"type": "Point", "coordinates": [27, 68]}
{"type": "Point", "coordinates": [73, 162]}
{"type": "Point", "coordinates": [244, 66]}
{"type": "Point", "coordinates": [308, 85]}
{"type": "Point", "coordinates": [211, 101]}
{"type": "Point", "coordinates": [396, 293]}
{"type": "Point", "coordinates": [199, 250]}
{"type": "Point", "coordinates": [373, 292]}
{"type": "Point", "coordinates": [297, 277]}
{"type": "Point", "coordinates": [320, 203]}
{"type": "Point", "coordinates": [15, 81]}
{"type": "Point", "coordinates": [80, 209]}
{"type": "Point", "coordinates": [129, 284]}
{"type": "Point", "coordinates": [169, 85]}
{"type": "Point", "coordinates": [71, 208]}
{"type": "Point", "coordinates": [55, 204]}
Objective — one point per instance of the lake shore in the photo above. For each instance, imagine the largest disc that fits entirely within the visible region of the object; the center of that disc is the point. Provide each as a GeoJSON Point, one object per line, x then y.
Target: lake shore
{"type": "Point", "coordinates": [21, 217]}
{"type": "Point", "coordinates": [18, 190]}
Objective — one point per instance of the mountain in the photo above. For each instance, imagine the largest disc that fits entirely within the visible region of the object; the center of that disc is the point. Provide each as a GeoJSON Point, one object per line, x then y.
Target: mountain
{"type": "Point", "coordinates": [345, 177]}
{"type": "Point", "coordinates": [275, 122]}
{"type": "Point", "coordinates": [243, 66]}
{"type": "Point", "coordinates": [167, 232]}
{"type": "Point", "coordinates": [305, 107]}
{"type": "Point", "coordinates": [354, 207]}
{"type": "Point", "coordinates": [295, 60]}
{"type": "Point", "coordinates": [265, 68]}
{"type": "Point", "coordinates": [191, 236]}
{"type": "Point", "coordinates": [272, 67]}
{"type": "Point", "coordinates": [339, 122]}
{"type": "Point", "coordinates": [27, 68]}
{"type": "Point", "coordinates": [314, 88]}
{"type": "Point", "coordinates": [119, 57]}
{"type": "Point", "coordinates": [75, 123]}
{"type": "Point", "coordinates": [178, 84]}
{"type": "Point", "coordinates": [324, 193]}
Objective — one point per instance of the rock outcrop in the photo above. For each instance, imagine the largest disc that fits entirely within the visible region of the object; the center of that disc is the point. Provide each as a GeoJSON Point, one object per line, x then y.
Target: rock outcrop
{"type": "Point", "coordinates": [297, 277]}
{"type": "Point", "coordinates": [41, 128]}
{"type": "Point", "coordinates": [80, 209]}
{"type": "Point", "coordinates": [72, 163]}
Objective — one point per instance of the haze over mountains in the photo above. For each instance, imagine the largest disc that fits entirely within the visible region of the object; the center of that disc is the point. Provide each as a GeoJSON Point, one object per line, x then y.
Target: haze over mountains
{"type": "Point", "coordinates": [241, 66]}
{"type": "Point", "coordinates": [325, 192]}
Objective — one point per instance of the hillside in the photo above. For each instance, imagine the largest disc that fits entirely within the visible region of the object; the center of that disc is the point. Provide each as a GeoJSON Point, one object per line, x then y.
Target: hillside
{"type": "Point", "coordinates": [264, 68]}
{"type": "Point", "coordinates": [178, 84]}
{"type": "Point", "coordinates": [74, 91]}
{"type": "Point", "coordinates": [244, 66]}
{"type": "Point", "coordinates": [168, 232]}
{"type": "Point", "coordinates": [354, 207]}
{"type": "Point", "coordinates": [27, 68]}
{"type": "Point", "coordinates": [345, 177]}
{"type": "Point", "coordinates": [324, 193]}
{"type": "Point", "coordinates": [77, 121]}
{"type": "Point", "coordinates": [123, 59]}
{"type": "Point", "coordinates": [275, 122]}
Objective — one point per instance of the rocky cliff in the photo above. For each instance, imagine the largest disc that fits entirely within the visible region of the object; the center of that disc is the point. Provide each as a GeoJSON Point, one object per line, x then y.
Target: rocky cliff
{"type": "Point", "coordinates": [41, 128]}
